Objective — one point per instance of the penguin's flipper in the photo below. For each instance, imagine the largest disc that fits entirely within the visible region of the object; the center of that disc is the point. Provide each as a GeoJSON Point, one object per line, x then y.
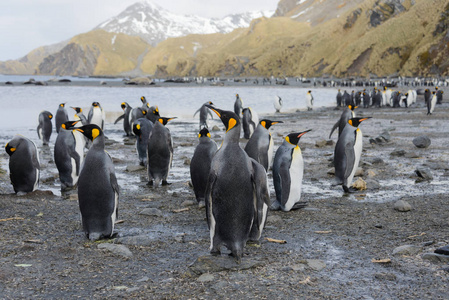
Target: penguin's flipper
{"type": "Point", "coordinates": [350, 159]}
{"type": "Point", "coordinates": [208, 197]}
{"type": "Point", "coordinates": [197, 111]}
{"type": "Point", "coordinates": [333, 128]}
{"type": "Point", "coordinates": [260, 181]}
{"type": "Point", "coordinates": [116, 189]}
{"type": "Point", "coordinates": [170, 147]}
{"type": "Point", "coordinates": [284, 173]}
{"type": "Point", "coordinates": [119, 118]}
{"type": "Point", "coordinates": [90, 115]}
{"type": "Point", "coordinates": [73, 154]}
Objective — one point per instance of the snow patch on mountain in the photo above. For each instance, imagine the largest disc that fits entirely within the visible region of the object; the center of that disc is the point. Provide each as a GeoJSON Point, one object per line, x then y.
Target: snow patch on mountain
{"type": "Point", "coordinates": [154, 24]}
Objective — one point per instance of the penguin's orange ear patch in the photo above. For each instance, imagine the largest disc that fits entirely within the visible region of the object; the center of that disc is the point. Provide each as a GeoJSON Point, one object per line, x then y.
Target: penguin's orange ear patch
{"type": "Point", "coordinates": [232, 122]}
{"type": "Point", "coordinates": [138, 126]}
{"type": "Point", "coordinates": [264, 124]}
{"type": "Point", "coordinates": [208, 134]}
{"type": "Point", "coordinates": [287, 139]}
{"type": "Point", "coordinates": [350, 122]}
{"type": "Point", "coordinates": [95, 133]}
{"type": "Point", "coordinates": [50, 116]}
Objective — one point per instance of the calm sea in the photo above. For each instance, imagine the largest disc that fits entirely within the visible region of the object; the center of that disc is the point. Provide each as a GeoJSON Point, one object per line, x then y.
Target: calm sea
{"type": "Point", "coordinates": [21, 104]}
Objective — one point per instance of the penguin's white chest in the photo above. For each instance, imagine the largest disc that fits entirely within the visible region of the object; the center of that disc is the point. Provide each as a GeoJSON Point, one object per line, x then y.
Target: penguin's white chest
{"type": "Point", "coordinates": [296, 173]}
{"type": "Point", "coordinates": [357, 154]}
{"type": "Point", "coordinates": [97, 116]}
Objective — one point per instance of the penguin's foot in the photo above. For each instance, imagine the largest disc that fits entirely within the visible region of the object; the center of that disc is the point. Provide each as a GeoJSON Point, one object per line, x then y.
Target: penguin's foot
{"type": "Point", "coordinates": [150, 183]}
{"type": "Point", "coordinates": [141, 163]}
{"type": "Point", "coordinates": [164, 182]}
{"type": "Point", "coordinates": [215, 252]}
{"type": "Point", "coordinates": [349, 190]}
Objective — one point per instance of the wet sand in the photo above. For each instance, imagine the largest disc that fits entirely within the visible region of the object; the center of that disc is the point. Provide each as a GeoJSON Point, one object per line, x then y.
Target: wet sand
{"type": "Point", "coordinates": [338, 247]}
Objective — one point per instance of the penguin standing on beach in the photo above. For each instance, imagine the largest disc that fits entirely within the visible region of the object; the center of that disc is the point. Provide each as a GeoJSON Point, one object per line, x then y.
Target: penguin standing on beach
{"type": "Point", "coordinates": [79, 116]}
{"type": "Point", "coordinates": [200, 163]}
{"type": "Point", "coordinates": [126, 118]}
{"type": "Point", "coordinates": [339, 98]}
{"type": "Point", "coordinates": [288, 171]}
{"type": "Point", "coordinates": [277, 103]}
{"type": "Point", "coordinates": [260, 145]}
{"type": "Point", "coordinates": [45, 127]}
{"type": "Point", "coordinates": [98, 190]}
{"type": "Point", "coordinates": [366, 99]}
{"type": "Point", "coordinates": [238, 105]}
{"type": "Point", "coordinates": [141, 129]}
{"type": "Point", "coordinates": [347, 114]}
{"type": "Point", "coordinates": [431, 103]}
{"type": "Point", "coordinates": [204, 111]}
{"type": "Point", "coordinates": [69, 154]}
{"type": "Point", "coordinates": [160, 153]}
{"type": "Point", "coordinates": [249, 121]}
{"type": "Point", "coordinates": [427, 96]}
{"type": "Point", "coordinates": [236, 196]}
{"type": "Point", "coordinates": [309, 100]}
{"type": "Point", "coordinates": [439, 94]}
{"type": "Point", "coordinates": [61, 116]}
{"type": "Point", "coordinates": [348, 151]}
{"type": "Point", "coordinates": [96, 115]}
{"type": "Point", "coordinates": [24, 168]}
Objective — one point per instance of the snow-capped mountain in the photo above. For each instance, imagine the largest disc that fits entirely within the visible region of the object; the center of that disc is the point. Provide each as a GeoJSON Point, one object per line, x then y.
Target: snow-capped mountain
{"type": "Point", "coordinates": [155, 24]}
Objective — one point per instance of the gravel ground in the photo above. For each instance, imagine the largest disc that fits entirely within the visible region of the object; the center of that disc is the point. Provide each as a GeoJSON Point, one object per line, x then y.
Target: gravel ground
{"type": "Point", "coordinates": [338, 247]}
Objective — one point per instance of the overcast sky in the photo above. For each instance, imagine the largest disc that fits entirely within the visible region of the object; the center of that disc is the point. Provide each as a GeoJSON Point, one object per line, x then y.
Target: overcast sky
{"type": "Point", "coordinates": [28, 24]}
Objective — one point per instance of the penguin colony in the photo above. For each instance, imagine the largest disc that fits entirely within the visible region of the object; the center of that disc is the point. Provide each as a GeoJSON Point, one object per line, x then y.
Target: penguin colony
{"type": "Point", "coordinates": [229, 180]}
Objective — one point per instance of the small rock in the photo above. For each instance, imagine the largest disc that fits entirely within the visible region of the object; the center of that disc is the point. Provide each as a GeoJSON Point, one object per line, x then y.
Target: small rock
{"type": "Point", "coordinates": [359, 184]}
{"type": "Point", "coordinates": [359, 172]}
{"type": "Point", "coordinates": [412, 155]}
{"type": "Point", "coordinates": [136, 240]}
{"type": "Point", "coordinates": [406, 250]}
{"type": "Point", "coordinates": [385, 276]}
{"type": "Point", "coordinates": [206, 277]}
{"type": "Point", "coordinates": [298, 267]}
{"type": "Point", "coordinates": [320, 143]}
{"type": "Point", "coordinates": [215, 128]}
{"type": "Point", "coordinates": [273, 219]}
{"type": "Point", "coordinates": [134, 168]}
{"type": "Point", "coordinates": [188, 203]}
{"type": "Point", "coordinates": [370, 173]}
{"type": "Point", "coordinates": [331, 171]}
{"type": "Point", "coordinates": [443, 250]}
{"type": "Point", "coordinates": [152, 212]}
{"type": "Point", "coordinates": [424, 173]}
{"type": "Point", "coordinates": [375, 160]}
{"type": "Point", "coordinates": [402, 206]}
{"type": "Point", "coordinates": [436, 258]}
{"type": "Point", "coordinates": [315, 264]}
{"type": "Point", "coordinates": [372, 184]}
{"type": "Point", "coordinates": [187, 162]}
{"type": "Point", "coordinates": [329, 143]}
{"type": "Point", "coordinates": [398, 153]}
{"type": "Point", "coordinates": [209, 263]}
{"type": "Point", "coordinates": [421, 141]}
{"type": "Point", "coordinates": [116, 249]}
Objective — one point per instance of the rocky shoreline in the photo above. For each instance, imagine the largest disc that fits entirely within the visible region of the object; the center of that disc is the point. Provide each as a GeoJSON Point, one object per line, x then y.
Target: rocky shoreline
{"type": "Point", "coordinates": [377, 243]}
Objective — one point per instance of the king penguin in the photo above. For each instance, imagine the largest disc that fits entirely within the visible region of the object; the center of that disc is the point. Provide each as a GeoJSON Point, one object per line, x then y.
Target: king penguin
{"type": "Point", "coordinates": [141, 129]}
{"type": "Point", "coordinates": [339, 98]}
{"type": "Point", "coordinates": [61, 116]}
{"type": "Point", "coordinates": [260, 145]}
{"type": "Point", "coordinates": [288, 170]}
{"type": "Point", "coordinates": [45, 127]}
{"type": "Point", "coordinates": [96, 115]}
{"type": "Point", "coordinates": [347, 152]}
{"type": "Point", "coordinates": [79, 116]}
{"type": "Point", "coordinates": [69, 155]}
{"type": "Point", "coordinates": [136, 113]}
{"type": "Point", "coordinates": [277, 103]}
{"type": "Point", "coordinates": [24, 167]}
{"type": "Point", "coordinates": [160, 153]}
{"type": "Point", "coordinates": [127, 109]}
{"type": "Point", "coordinates": [236, 196]}
{"type": "Point", "coordinates": [98, 190]}
{"type": "Point", "coordinates": [238, 105]}
{"type": "Point", "coordinates": [250, 121]}
{"type": "Point", "coordinates": [347, 114]}
{"type": "Point", "coordinates": [200, 163]}
{"type": "Point", "coordinates": [309, 100]}
{"type": "Point", "coordinates": [204, 112]}
{"type": "Point", "coordinates": [431, 103]}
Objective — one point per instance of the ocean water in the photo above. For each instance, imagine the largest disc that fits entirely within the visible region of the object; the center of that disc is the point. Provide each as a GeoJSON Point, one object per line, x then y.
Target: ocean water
{"type": "Point", "coordinates": [22, 104]}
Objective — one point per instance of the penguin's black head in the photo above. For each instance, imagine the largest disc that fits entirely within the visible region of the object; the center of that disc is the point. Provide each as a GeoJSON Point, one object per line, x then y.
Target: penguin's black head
{"type": "Point", "coordinates": [293, 138]}
{"type": "Point", "coordinates": [91, 131]}
{"type": "Point", "coordinates": [143, 99]}
{"type": "Point", "coordinates": [50, 116]}
{"type": "Point", "coordinates": [62, 104]}
{"type": "Point", "coordinates": [123, 105]}
{"type": "Point", "coordinates": [436, 88]}
{"type": "Point", "coordinates": [95, 104]}
{"type": "Point", "coordinates": [352, 107]}
{"type": "Point", "coordinates": [69, 125]}
{"type": "Point", "coordinates": [137, 129]}
{"type": "Point", "coordinates": [10, 149]}
{"type": "Point", "coordinates": [267, 123]}
{"type": "Point", "coordinates": [433, 92]}
{"type": "Point", "coordinates": [156, 111]}
{"type": "Point", "coordinates": [356, 121]}
{"type": "Point", "coordinates": [164, 120]}
{"type": "Point", "coordinates": [209, 102]}
{"type": "Point", "coordinates": [229, 118]}
{"type": "Point", "coordinates": [77, 109]}
{"type": "Point", "coordinates": [204, 132]}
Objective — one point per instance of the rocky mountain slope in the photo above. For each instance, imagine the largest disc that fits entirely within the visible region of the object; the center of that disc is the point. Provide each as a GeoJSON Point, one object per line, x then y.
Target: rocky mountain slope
{"type": "Point", "coordinates": [155, 24]}
{"type": "Point", "coordinates": [364, 38]}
